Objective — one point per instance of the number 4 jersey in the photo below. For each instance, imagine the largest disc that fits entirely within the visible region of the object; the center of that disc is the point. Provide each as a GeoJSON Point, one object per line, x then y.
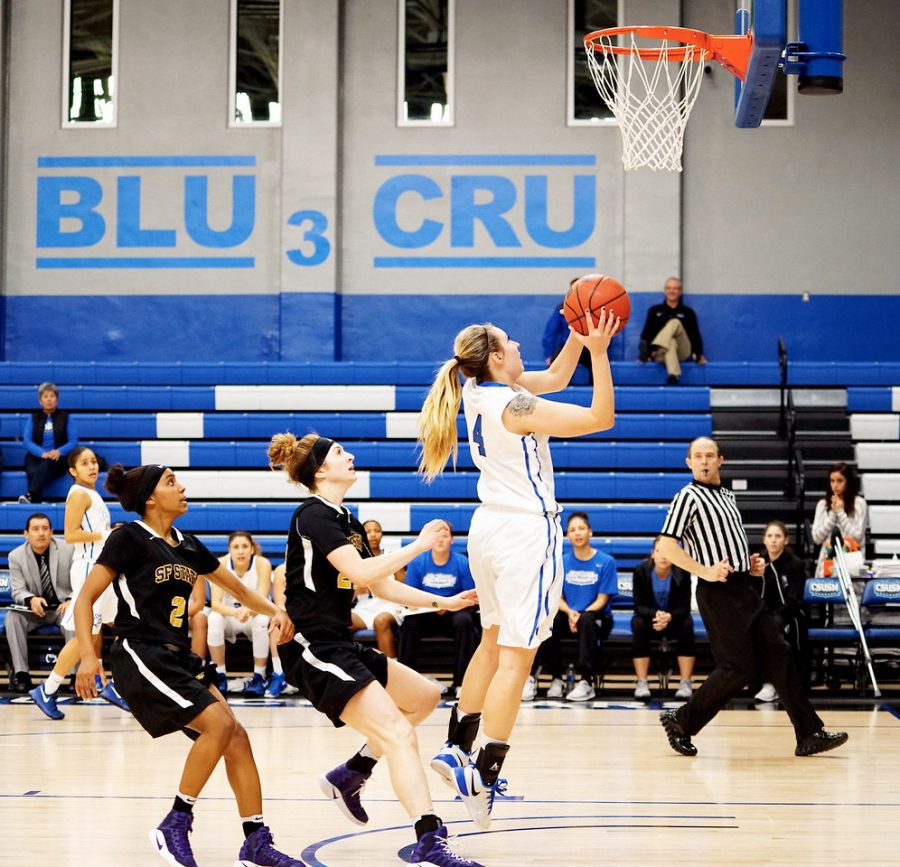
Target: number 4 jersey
{"type": "Point", "coordinates": [516, 470]}
{"type": "Point", "coordinates": [154, 581]}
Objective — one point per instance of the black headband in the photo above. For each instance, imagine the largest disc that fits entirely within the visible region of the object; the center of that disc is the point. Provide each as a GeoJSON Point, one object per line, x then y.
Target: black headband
{"type": "Point", "coordinates": [317, 455]}
{"type": "Point", "coordinates": [150, 476]}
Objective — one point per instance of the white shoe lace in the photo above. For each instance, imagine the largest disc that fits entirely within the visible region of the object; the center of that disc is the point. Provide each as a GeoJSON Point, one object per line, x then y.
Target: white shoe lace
{"type": "Point", "coordinates": [451, 847]}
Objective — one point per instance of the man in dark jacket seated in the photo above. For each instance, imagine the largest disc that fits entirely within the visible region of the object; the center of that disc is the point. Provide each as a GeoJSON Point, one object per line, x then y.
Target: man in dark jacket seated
{"type": "Point", "coordinates": [671, 333]}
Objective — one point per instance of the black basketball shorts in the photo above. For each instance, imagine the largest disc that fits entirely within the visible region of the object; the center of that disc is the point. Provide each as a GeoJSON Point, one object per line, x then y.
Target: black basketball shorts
{"type": "Point", "coordinates": [165, 687]}
{"type": "Point", "coordinates": [330, 673]}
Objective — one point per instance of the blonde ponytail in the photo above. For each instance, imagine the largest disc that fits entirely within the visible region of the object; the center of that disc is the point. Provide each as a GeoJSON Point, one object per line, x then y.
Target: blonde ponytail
{"type": "Point", "coordinates": [437, 421]}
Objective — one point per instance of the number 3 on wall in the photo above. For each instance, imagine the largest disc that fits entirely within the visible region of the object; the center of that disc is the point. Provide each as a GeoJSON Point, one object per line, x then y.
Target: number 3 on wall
{"type": "Point", "coordinates": [314, 234]}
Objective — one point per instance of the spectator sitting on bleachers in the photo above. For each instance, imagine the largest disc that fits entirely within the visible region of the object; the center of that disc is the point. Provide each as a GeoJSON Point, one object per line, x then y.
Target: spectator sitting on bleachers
{"type": "Point", "coordinates": [841, 508]}
{"type": "Point", "coordinates": [198, 618]}
{"type": "Point", "coordinates": [662, 609]}
{"type": "Point", "coordinates": [589, 582]}
{"type": "Point", "coordinates": [49, 435]}
{"type": "Point", "coordinates": [277, 683]}
{"type": "Point", "coordinates": [671, 333]}
{"type": "Point", "coordinates": [39, 581]}
{"type": "Point", "coordinates": [781, 588]}
{"type": "Point", "coordinates": [445, 573]}
{"type": "Point", "coordinates": [228, 618]}
{"type": "Point", "coordinates": [370, 612]}
{"type": "Point", "coordinates": [556, 333]}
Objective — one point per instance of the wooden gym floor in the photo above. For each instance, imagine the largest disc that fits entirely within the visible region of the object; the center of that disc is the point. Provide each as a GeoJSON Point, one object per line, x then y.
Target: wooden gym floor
{"type": "Point", "coordinates": [599, 784]}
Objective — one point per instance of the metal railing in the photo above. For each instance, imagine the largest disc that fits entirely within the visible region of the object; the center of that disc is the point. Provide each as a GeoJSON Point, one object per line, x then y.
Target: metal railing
{"type": "Point", "coordinates": [795, 480]}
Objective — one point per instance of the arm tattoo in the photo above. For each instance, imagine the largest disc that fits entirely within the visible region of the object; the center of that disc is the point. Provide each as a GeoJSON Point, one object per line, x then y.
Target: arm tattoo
{"type": "Point", "coordinates": [522, 404]}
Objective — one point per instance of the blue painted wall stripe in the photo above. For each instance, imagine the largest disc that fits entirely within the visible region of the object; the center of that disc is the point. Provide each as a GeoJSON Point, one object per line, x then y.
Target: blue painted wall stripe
{"type": "Point", "coordinates": [486, 160]}
{"type": "Point", "coordinates": [145, 262]}
{"type": "Point", "coordinates": [146, 161]}
{"type": "Point", "coordinates": [484, 262]}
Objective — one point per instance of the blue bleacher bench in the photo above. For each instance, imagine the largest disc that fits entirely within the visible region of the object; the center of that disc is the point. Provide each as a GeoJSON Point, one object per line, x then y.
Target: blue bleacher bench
{"type": "Point", "coordinates": [311, 397]}
{"type": "Point", "coordinates": [753, 373]}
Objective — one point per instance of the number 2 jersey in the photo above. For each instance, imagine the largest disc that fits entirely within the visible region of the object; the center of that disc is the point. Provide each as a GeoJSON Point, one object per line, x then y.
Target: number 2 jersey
{"type": "Point", "coordinates": [516, 470]}
{"type": "Point", "coordinates": [318, 598]}
{"type": "Point", "coordinates": [154, 581]}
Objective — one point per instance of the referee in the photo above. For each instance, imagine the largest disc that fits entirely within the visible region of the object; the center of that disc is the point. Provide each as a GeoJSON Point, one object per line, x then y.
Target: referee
{"type": "Point", "coordinates": [744, 636]}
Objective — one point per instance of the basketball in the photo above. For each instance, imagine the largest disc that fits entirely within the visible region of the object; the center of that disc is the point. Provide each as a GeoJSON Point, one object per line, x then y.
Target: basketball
{"type": "Point", "coordinates": [595, 292]}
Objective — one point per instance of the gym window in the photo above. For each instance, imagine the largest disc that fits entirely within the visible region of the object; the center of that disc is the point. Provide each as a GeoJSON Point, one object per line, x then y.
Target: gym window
{"type": "Point", "coordinates": [425, 52]}
{"type": "Point", "coordinates": [585, 105]}
{"type": "Point", "coordinates": [90, 56]}
{"type": "Point", "coordinates": [255, 63]}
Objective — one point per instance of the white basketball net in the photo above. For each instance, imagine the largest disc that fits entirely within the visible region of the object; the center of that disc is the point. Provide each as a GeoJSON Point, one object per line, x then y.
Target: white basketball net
{"type": "Point", "coordinates": [651, 99]}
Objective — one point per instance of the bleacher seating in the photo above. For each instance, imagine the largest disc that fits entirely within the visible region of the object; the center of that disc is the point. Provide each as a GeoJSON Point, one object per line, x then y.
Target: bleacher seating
{"type": "Point", "coordinates": [875, 428]}
{"type": "Point", "coordinates": [212, 422]}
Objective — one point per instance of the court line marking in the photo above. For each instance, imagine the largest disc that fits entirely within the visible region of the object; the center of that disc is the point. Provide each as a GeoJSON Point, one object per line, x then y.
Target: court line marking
{"type": "Point", "coordinates": [309, 854]}
{"type": "Point", "coordinates": [37, 793]}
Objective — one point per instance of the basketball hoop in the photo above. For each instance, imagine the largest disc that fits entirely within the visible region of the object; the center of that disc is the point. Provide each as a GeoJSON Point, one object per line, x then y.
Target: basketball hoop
{"type": "Point", "coordinates": [649, 97]}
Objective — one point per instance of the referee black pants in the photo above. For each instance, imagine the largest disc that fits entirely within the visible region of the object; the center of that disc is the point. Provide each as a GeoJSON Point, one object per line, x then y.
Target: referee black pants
{"type": "Point", "coordinates": [746, 642]}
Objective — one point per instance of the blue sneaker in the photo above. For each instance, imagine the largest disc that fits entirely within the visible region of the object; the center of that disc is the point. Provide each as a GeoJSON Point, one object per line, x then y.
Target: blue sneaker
{"type": "Point", "coordinates": [111, 694]}
{"type": "Point", "coordinates": [448, 760]}
{"type": "Point", "coordinates": [170, 839]}
{"type": "Point", "coordinates": [433, 850]}
{"type": "Point", "coordinates": [478, 798]}
{"type": "Point", "coordinates": [222, 682]}
{"type": "Point", "coordinates": [345, 787]}
{"type": "Point", "coordinates": [47, 703]}
{"type": "Point", "coordinates": [258, 851]}
{"type": "Point", "coordinates": [275, 685]}
{"type": "Point", "coordinates": [257, 685]}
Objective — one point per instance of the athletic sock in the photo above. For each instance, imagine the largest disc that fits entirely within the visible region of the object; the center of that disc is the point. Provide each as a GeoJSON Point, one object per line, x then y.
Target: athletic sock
{"type": "Point", "coordinates": [463, 730]}
{"type": "Point", "coordinates": [52, 683]}
{"type": "Point", "coordinates": [183, 803]}
{"type": "Point", "coordinates": [490, 760]}
{"type": "Point", "coordinates": [260, 670]}
{"type": "Point", "coordinates": [220, 669]}
{"type": "Point", "coordinates": [426, 823]}
{"type": "Point", "coordinates": [362, 762]}
{"type": "Point", "coordinates": [252, 823]}
{"type": "Point", "coordinates": [276, 666]}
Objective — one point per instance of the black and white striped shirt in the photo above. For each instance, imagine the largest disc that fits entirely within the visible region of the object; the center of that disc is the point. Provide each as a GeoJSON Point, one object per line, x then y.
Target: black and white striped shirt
{"type": "Point", "coordinates": [706, 519]}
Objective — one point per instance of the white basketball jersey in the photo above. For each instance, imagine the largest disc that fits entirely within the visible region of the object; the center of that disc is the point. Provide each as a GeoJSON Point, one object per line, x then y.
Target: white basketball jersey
{"type": "Point", "coordinates": [516, 471]}
{"type": "Point", "coordinates": [250, 580]}
{"type": "Point", "coordinates": [96, 519]}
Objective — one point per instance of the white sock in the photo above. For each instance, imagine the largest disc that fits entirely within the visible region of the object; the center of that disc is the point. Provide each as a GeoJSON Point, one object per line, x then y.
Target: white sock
{"type": "Point", "coordinates": [187, 799]}
{"type": "Point", "coordinates": [52, 683]}
{"type": "Point", "coordinates": [220, 669]}
{"type": "Point", "coordinates": [260, 670]}
{"type": "Point", "coordinates": [276, 665]}
{"type": "Point", "coordinates": [366, 752]}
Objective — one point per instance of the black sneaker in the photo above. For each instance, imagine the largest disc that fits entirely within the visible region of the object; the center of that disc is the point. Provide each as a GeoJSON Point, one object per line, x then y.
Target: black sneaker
{"type": "Point", "coordinates": [22, 682]}
{"type": "Point", "coordinates": [24, 498]}
{"type": "Point", "coordinates": [671, 379]}
{"type": "Point", "coordinates": [678, 739]}
{"type": "Point", "coordinates": [643, 351]}
{"type": "Point", "coordinates": [820, 742]}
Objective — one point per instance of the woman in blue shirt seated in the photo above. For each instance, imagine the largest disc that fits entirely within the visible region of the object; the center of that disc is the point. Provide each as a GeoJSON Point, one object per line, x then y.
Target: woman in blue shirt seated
{"type": "Point", "coordinates": [589, 583]}
{"type": "Point", "coordinates": [662, 609]}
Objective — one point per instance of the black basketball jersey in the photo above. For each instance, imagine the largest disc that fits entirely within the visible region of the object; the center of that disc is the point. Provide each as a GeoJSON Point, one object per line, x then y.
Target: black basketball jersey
{"type": "Point", "coordinates": [318, 597]}
{"type": "Point", "coordinates": [154, 581]}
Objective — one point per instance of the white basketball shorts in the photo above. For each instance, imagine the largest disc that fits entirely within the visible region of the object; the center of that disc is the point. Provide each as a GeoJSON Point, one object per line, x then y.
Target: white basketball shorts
{"type": "Point", "coordinates": [516, 561]}
{"type": "Point", "coordinates": [104, 608]}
